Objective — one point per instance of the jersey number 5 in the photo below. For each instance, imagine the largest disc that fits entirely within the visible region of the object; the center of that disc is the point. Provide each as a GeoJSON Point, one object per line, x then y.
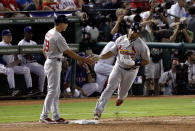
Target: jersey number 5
{"type": "Point", "coordinates": [46, 45]}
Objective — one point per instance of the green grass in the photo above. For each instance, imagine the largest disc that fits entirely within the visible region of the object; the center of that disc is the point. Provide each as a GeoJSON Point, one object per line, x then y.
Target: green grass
{"type": "Point", "coordinates": [84, 110]}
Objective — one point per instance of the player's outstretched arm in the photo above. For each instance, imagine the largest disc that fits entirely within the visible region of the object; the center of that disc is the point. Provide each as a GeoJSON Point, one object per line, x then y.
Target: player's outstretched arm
{"type": "Point", "coordinates": [73, 55]}
{"type": "Point", "coordinates": [107, 55]}
{"type": "Point", "coordinates": [96, 58]}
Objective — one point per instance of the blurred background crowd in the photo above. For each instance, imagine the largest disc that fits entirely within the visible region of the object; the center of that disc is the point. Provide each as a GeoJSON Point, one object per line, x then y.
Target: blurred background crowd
{"type": "Point", "coordinates": [170, 72]}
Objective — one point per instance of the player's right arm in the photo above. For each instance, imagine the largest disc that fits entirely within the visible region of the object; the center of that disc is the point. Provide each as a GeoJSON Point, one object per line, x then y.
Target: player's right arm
{"type": "Point", "coordinates": [107, 55]}
{"type": "Point", "coordinates": [111, 52]}
{"type": "Point", "coordinates": [73, 55]}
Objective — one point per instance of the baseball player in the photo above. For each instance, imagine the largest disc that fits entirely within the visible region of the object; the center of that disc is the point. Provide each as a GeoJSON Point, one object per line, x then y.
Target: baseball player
{"type": "Point", "coordinates": [131, 52]}
{"type": "Point", "coordinates": [30, 59]}
{"type": "Point", "coordinates": [84, 82]}
{"type": "Point", "coordinates": [7, 70]}
{"type": "Point", "coordinates": [103, 68]}
{"type": "Point", "coordinates": [13, 62]}
{"type": "Point", "coordinates": [54, 47]}
{"type": "Point", "coordinates": [10, 75]}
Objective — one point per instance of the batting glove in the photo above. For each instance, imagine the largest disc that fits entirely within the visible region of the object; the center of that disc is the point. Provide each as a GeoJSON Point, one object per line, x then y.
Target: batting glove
{"type": "Point", "coordinates": [137, 62]}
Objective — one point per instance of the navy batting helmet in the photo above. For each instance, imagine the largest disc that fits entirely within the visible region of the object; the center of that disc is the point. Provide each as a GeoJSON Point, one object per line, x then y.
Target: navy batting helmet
{"type": "Point", "coordinates": [61, 19]}
{"type": "Point", "coordinates": [136, 26]}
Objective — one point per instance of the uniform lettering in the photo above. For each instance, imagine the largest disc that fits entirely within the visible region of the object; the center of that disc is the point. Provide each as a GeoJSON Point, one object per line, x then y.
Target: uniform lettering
{"type": "Point", "coordinates": [46, 45]}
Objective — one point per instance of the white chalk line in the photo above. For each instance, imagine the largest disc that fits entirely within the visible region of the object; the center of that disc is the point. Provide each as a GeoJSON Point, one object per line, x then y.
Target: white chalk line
{"type": "Point", "coordinates": [109, 113]}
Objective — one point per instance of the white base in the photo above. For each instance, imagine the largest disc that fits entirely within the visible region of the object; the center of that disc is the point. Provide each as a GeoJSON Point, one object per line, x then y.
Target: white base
{"type": "Point", "coordinates": [83, 121]}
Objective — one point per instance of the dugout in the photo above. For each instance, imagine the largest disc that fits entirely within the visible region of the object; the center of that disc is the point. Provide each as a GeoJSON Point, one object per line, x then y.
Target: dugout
{"type": "Point", "coordinates": [40, 26]}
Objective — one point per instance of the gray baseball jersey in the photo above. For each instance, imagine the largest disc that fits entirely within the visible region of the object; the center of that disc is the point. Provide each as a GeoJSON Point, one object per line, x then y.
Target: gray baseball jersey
{"type": "Point", "coordinates": [130, 50]}
{"type": "Point", "coordinates": [25, 43]}
{"type": "Point", "coordinates": [120, 77]}
{"type": "Point", "coordinates": [54, 44]}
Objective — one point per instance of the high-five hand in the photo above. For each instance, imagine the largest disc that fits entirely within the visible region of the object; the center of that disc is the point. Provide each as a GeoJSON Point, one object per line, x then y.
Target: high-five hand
{"type": "Point", "coordinates": [95, 57]}
{"type": "Point", "coordinates": [89, 60]}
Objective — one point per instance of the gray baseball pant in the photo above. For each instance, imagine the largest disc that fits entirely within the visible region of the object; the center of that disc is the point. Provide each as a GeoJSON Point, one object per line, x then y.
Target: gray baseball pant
{"type": "Point", "coordinates": [120, 77]}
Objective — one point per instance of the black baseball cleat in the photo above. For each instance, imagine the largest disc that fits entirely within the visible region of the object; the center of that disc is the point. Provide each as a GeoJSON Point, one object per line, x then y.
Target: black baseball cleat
{"type": "Point", "coordinates": [119, 102]}
{"type": "Point", "coordinates": [61, 121]}
{"type": "Point", "coordinates": [15, 92]}
{"type": "Point", "coordinates": [47, 121]}
{"type": "Point", "coordinates": [29, 91]}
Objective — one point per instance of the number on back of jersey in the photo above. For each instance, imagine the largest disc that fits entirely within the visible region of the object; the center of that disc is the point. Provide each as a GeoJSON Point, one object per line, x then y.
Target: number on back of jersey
{"type": "Point", "coordinates": [46, 46]}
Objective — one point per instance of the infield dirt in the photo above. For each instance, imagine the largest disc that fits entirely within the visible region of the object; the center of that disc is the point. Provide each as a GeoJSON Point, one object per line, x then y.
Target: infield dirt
{"type": "Point", "coordinates": [172, 123]}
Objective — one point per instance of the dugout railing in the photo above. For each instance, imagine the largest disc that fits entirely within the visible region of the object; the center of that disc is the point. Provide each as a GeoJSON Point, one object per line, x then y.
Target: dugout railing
{"type": "Point", "coordinates": [75, 47]}
{"type": "Point", "coordinates": [39, 50]}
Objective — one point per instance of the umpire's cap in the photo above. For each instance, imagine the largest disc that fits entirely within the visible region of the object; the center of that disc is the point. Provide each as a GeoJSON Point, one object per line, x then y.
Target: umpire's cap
{"type": "Point", "coordinates": [61, 19]}
{"type": "Point", "coordinates": [136, 26]}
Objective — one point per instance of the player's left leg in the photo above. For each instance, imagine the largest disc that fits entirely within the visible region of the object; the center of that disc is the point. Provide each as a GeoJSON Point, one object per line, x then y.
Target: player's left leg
{"type": "Point", "coordinates": [26, 72]}
{"type": "Point", "coordinates": [126, 83]}
{"type": "Point", "coordinates": [113, 82]}
{"type": "Point", "coordinates": [38, 69]}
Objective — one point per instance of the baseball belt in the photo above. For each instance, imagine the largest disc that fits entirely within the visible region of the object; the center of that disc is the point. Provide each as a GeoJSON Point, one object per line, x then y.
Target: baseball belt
{"type": "Point", "coordinates": [58, 59]}
{"type": "Point", "coordinates": [127, 69]}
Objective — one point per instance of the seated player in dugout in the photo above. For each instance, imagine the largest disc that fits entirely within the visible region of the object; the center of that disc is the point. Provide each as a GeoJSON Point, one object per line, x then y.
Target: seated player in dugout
{"type": "Point", "coordinates": [30, 60]}
{"type": "Point", "coordinates": [85, 86]}
{"type": "Point", "coordinates": [14, 63]}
